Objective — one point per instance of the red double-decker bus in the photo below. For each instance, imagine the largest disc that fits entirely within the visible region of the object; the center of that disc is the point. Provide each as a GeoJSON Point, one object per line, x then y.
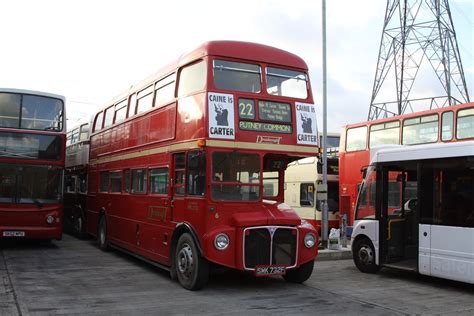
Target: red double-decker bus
{"type": "Point", "coordinates": [32, 146]}
{"type": "Point", "coordinates": [448, 124]}
{"type": "Point", "coordinates": [75, 179]}
{"type": "Point", "coordinates": [178, 164]}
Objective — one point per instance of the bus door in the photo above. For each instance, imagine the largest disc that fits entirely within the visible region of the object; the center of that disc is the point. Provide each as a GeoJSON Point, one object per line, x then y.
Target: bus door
{"type": "Point", "coordinates": [177, 190]}
{"type": "Point", "coordinates": [399, 221]}
{"type": "Point", "coordinates": [189, 185]}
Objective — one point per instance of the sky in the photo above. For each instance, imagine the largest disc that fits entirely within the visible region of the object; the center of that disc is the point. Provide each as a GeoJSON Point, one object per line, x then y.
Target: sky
{"type": "Point", "coordinates": [91, 51]}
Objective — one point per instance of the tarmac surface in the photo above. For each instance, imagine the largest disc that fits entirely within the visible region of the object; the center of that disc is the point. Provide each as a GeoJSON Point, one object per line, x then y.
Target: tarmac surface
{"type": "Point", "coordinates": [75, 277]}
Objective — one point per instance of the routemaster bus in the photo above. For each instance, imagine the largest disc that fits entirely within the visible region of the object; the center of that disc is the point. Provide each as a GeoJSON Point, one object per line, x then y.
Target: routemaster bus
{"type": "Point", "coordinates": [303, 179]}
{"type": "Point", "coordinates": [77, 159]}
{"type": "Point", "coordinates": [178, 164]}
{"type": "Point", "coordinates": [443, 125]}
{"type": "Point", "coordinates": [415, 211]}
{"type": "Point", "coordinates": [32, 149]}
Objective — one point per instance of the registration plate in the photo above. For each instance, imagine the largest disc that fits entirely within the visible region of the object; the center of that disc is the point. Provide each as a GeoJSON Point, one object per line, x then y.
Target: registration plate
{"type": "Point", "coordinates": [13, 233]}
{"type": "Point", "coordinates": [269, 270]}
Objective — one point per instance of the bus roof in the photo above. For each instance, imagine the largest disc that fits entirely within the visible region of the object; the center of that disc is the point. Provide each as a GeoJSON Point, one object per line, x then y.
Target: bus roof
{"type": "Point", "coordinates": [420, 152]}
{"type": "Point", "coordinates": [244, 50]}
{"type": "Point", "coordinates": [233, 49]}
{"type": "Point", "coordinates": [32, 92]}
{"type": "Point", "coordinates": [407, 115]}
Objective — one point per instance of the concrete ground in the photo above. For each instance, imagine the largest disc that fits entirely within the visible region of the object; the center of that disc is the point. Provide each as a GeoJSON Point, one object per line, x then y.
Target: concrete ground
{"type": "Point", "coordinates": [75, 277]}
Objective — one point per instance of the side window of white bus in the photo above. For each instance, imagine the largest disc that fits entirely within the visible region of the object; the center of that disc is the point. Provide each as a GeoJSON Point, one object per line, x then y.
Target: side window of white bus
{"type": "Point", "coordinates": [446, 192]}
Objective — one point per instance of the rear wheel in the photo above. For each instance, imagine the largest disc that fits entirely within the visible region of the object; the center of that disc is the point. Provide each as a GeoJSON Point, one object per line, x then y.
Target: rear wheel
{"type": "Point", "coordinates": [364, 256]}
{"type": "Point", "coordinates": [192, 270]}
{"type": "Point", "coordinates": [301, 274]}
{"type": "Point", "coordinates": [102, 234]}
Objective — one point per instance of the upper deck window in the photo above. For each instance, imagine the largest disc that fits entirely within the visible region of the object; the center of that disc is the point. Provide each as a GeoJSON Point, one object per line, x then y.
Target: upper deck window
{"type": "Point", "coordinates": [145, 100]}
{"type": "Point", "coordinates": [384, 134]}
{"type": "Point", "coordinates": [98, 121]}
{"type": "Point", "coordinates": [109, 117]}
{"type": "Point", "coordinates": [31, 112]}
{"type": "Point", "coordinates": [420, 130]}
{"type": "Point", "coordinates": [164, 90]}
{"type": "Point", "coordinates": [356, 138]}
{"type": "Point", "coordinates": [287, 83]}
{"type": "Point", "coordinates": [84, 135]}
{"type": "Point", "coordinates": [192, 78]}
{"type": "Point", "coordinates": [75, 136]}
{"type": "Point", "coordinates": [237, 76]}
{"type": "Point", "coordinates": [447, 126]}
{"type": "Point", "coordinates": [121, 111]}
{"type": "Point", "coordinates": [465, 123]}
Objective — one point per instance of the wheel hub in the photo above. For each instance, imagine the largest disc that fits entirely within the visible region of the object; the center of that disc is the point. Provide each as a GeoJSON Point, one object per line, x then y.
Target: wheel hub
{"type": "Point", "coordinates": [366, 255]}
{"type": "Point", "coordinates": [185, 261]}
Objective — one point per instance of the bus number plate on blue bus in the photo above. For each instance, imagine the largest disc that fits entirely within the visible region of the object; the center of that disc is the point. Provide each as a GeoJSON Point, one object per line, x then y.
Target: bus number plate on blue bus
{"type": "Point", "coordinates": [13, 233]}
{"type": "Point", "coordinates": [269, 270]}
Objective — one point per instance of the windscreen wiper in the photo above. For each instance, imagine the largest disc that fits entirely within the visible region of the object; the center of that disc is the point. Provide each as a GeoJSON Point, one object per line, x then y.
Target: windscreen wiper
{"type": "Point", "coordinates": [4, 153]}
{"type": "Point", "coordinates": [38, 203]}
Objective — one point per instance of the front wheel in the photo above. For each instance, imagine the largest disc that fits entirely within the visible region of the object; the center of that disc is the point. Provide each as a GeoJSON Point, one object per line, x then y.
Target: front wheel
{"type": "Point", "coordinates": [301, 274]}
{"type": "Point", "coordinates": [192, 270]}
{"type": "Point", "coordinates": [102, 234]}
{"type": "Point", "coordinates": [364, 256]}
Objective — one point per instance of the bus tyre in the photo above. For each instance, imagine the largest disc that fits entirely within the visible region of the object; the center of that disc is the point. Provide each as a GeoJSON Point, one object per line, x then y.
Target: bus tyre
{"type": "Point", "coordinates": [102, 234]}
{"type": "Point", "coordinates": [192, 270]}
{"type": "Point", "coordinates": [364, 256]}
{"type": "Point", "coordinates": [301, 274]}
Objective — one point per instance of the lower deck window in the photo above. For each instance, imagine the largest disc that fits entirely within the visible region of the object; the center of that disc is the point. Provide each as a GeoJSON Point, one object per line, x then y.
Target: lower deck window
{"type": "Point", "coordinates": [159, 181]}
{"type": "Point", "coordinates": [139, 181]}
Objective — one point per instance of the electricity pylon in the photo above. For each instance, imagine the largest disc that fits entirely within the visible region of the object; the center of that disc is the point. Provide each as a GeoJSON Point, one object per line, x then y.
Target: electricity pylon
{"type": "Point", "coordinates": [416, 31]}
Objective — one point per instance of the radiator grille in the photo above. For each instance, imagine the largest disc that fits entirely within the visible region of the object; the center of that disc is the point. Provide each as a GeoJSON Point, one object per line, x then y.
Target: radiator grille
{"type": "Point", "coordinates": [270, 246]}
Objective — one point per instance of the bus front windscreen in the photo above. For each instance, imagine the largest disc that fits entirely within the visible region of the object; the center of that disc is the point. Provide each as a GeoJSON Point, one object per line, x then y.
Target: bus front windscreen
{"type": "Point", "coordinates": [235, 176]}
{"type": "Point", "coordinates": [31, 112]}
{"type": "Point", "coordinates": [231, 75]}
{"type": "Point", "coordinates": [366, 199]}
{"type": "Point", "coordinates": [30, 184]}
{"type": "Point", "coordinates": [287, 83]}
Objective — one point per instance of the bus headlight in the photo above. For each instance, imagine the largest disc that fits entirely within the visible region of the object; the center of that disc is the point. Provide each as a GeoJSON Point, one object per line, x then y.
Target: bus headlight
{"type": "Point", "coordinates": [49, 219]}
{"type": "Point", "coordinates": [221, 242]}
{"type": "Point", "coordinates": [309, 240]}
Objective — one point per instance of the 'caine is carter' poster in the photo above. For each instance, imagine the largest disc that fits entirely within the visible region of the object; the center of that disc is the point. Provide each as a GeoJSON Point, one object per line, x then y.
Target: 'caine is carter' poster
{"type": "Point", "coordinates": [306, 125]}
{"type": "Point", "coordinates": [221, 115]}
